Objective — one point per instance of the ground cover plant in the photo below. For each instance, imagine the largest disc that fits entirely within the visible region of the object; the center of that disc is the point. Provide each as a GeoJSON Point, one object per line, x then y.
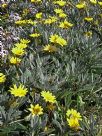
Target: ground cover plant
{"type": "Point", "coordinates": [50, 68]}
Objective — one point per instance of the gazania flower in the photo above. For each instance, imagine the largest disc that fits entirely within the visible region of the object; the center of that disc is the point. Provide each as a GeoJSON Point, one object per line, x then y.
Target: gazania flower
{"type": "Point", "coordinates": [58, 11]}
{"type": "Point", "coordinates": [88, 19]}
{"type": "Point", "coordinates": [100, 3]}
{"type": "Point", "coordinates": [20, 91]}
{"type": "Point", "coordinates": [18, 51]}
{"type": "Point", "coordinates": [60, 3]}
{"type": "Point", "coordinates": [4, 5]}
{"type": "Point", "coordinates": [73, 114]}
{"type": "Point", "coordinates": [73, 118]}
{"type": "Point", "coordinates": [50, 48]}
{"type": "Point", "coordinates": [57, 39]}
{"type": "Point", "coordinates": [35, 1]}
{"type": "Point", "coordinates": [15, 60]}
{"type": "Point", "coordinates": [36, 109]}
{"type": "Point", "coordinates": [88, 34]}
{"type": "Point", "coordinates": [93, 1]}
{"type": "Point", "coordinates": [48, 97]}
{"type": "Point", "coordinates": [39, 15]}
{"type": "Point", "coordinates": [65, 24]}
{"type": "Point", "coordinates": [21, 45]}
{"type": "Point", "coordinates": [2, 78]}
{"type": "Point", "coordinates": [81, 5]}
{"type": "Point", "coordinates": [62, 15]}
{"type": "Point", "coordinates": [73, 123]}
{"type": "Point", "coordinates": [24, 41]}
{"type": "Point", "coordinates": [34, 35]}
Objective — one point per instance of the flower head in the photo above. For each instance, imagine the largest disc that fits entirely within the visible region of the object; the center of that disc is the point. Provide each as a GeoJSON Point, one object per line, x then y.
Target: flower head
{"type": "Point", "coordinates": [65, 24]}
{"type": "Point", "coordinates": [57, 39]}
{"type": "Point", "coordinates": [20, 91]}
{"type": "Point", "coordinates": [21, 45]}
{"type": "Point", "coordinates": [58, 11]}
{"type": "Point", "coordinates": [100, 3]}
{"type": "Point", "coordinates": [93, 1]}
{"type": "Point", "coordinates": [60, 3]}
{"type": "Point", "coordinates": [35, 1]}
{"type": "Point", "coordinates": [73, 118]}
{"type": "Point", "coordinates": [15, 60]}
{"type": "Point", "coordinates": [48, 97]}
{"type": "Point", "coordinates": [62, 15]}
{"type": "Point", "coordinates": [24, 41]}
{"type": "Point", "coordinates": [53, 38]}
{"type": "Point", "coordinates": [73, 114]}
{"type": "Point", "coordinates": [39, 15]}
{"type": "Point", "coordinates": [36, 110]}
{"type": "Point", "coordinates": [81, 5]}
{"type": "Point", "coordinates": [50, 48]}
{"type": "Point", "coordinates": [18, 51]}
{"type": "Point", "coordinates": [61, 41]}
{"type": "Point", "coordinates": [4, 5]}
{"type": "Point", "coordinates": [88, 19]}
{"type": "Point", "coordinates": [88, 34]}
{"type": "Point", "coordinates": [34, 35]}
{"type": "Point", "coordinates": [73, 123]}
{"type": "Point", "coordinates": [2, 78]}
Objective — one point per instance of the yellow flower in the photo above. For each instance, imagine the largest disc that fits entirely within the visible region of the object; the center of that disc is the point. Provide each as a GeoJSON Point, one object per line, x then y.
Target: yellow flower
{"type": "Point", "coordinates": [31, 22]}
{"type": "Point", "coordinates": [24, 41]}
{"type": "Point", "coordinates": [2, 78]}
{"type": "Point", "coordinates": [57, 39]}
{"type": "Point", "coordinates": [48, 97]}
{"type": "Point", "coordinates": [50, 20]}
{"type": "Point", "coordinates": [58, 11]}
{"type": "Point", "coordinates": [88, 19]}
{"type": "Point", "coordinates": [15, 60]}
{"type": "Point", "coordinates": [34, 35]}
{"type": "Point", "coordinates": [18, 51]}
{"type": "Point", "coordinates": [62, 15]}
{"type": "Point", "coordinates": [73, 123]}
{"type": "Point", "coordinates": [36, 110]}
{"type": "Point", "coordinates": [81, 5]}
{"type": "Point", "coordinates": [25, 12]}
{"type": "Point", "coordinates": [53, 18]}
{"type": "Point", "coordinates": [61, 41]}
{"type": "Point", "coordinates": [21, 22]}
{"type": "Point", "coordinates": [4, 5]}
{"type": "Point", "coordinates": [88, 34]}
{"type": "Point", "coordinates": [65, 24]}
{"type": "Point", "coordinates": [18, 91]}
{"type": "Point", "coordinates": [60, 3]}
{"type": "Point", "coordinates": [73, 114]}
{"type": "Point", "coordinates": [50, 48]}
{"type": "Point", "coordinates": [93, 1]}
{"type": "Point", "coordinates": [54, 38]}
{"type": "Point", "coordinates": [21, 45]}
{"type": "Point", "coordinates": [35, 1]}
{"type": "Point", "coordinates": [39, 15]}
{"type": "Point", "coordinates": [100, 3]}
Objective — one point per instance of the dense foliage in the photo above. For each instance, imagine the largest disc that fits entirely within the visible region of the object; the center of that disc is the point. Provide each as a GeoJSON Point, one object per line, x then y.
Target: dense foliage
{"type": "Point", "coordinates": [51, 68]}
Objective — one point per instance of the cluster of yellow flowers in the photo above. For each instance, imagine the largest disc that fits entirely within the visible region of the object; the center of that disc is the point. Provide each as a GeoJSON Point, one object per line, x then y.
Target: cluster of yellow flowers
{"type": "Point", "coordinates": [83, 4]}
{"type": "Point", "coordinates": [59, 17]}
{"type": "Point", "coordinates": [73, 118]}
{"type": "Point", "coordinates": [56, 40]}
{"type": "Point", "coordinates": [48, 97]}
{"type": "Point", "coordinates": [20, 91]}
{"type": "Point", "coordinates": [18, 50]}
